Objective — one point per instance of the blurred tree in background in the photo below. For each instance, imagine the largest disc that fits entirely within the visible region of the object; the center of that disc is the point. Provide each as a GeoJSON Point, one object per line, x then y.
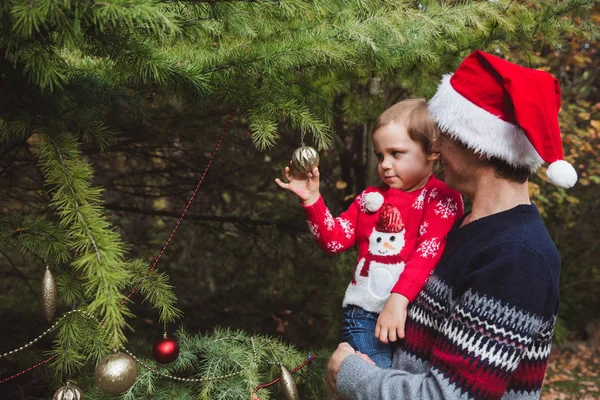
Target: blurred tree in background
{"type": "Point", "coordinates": [573, 216]}
{"type": "Point", "coordinates": [109, 112]}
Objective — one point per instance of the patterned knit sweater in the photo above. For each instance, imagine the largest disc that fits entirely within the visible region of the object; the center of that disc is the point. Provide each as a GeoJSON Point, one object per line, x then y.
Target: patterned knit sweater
{"type": "Point", "coordinates": [397, 260]}
{"type": "Point", "coordinates": [482, 326]}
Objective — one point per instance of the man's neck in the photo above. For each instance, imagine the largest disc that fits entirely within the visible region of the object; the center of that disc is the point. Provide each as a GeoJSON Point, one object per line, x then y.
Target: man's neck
{"type": "Point", "coordinates": [491, 195]}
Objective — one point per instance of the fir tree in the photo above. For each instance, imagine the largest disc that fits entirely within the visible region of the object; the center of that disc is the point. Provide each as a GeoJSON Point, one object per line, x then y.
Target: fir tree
{"type": "Point", "coordinates": [76, 72]}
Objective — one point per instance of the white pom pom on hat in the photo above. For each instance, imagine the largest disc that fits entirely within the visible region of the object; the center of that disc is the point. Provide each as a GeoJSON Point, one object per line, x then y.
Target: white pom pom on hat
{"type": "Point", "coordinates": [562, 174]}
{"type": "Point", "coordinates": [503, 110]}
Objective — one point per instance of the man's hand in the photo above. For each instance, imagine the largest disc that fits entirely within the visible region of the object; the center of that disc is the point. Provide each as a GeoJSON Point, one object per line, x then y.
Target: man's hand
{"type": "Point", "coordinates": [335, 363]}
{"type": "Point", "coordinates": [390, 324]}
{"type": "Point", "coordinates": [305, 186]}
{"type": "Point", "coordinates": [333, 366]}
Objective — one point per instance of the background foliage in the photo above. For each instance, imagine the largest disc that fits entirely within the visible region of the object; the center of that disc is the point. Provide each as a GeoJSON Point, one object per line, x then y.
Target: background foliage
{"type": "Point", "coordinates": [109, 112]}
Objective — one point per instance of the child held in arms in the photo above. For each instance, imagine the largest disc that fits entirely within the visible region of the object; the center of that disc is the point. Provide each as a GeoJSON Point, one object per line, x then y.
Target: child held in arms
{"type": "Point", "coordinates": [399, 228]}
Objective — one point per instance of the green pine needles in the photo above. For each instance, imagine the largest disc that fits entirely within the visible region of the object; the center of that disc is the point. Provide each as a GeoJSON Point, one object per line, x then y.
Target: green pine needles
{"type": "Point", "coordinates": [99, 252]}
{"type": "Point", "coordinates": [251, 360]}
{"type": "Point", "coordinates": [78, 72]}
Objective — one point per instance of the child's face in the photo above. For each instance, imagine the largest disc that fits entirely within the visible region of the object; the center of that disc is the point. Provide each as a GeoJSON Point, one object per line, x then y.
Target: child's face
{"type": "Point", "coordinates": [402, 163]}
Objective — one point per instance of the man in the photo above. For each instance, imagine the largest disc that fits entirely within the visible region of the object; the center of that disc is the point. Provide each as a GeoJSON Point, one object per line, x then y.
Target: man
{"type": "Point", "coordinates": [482, 326]}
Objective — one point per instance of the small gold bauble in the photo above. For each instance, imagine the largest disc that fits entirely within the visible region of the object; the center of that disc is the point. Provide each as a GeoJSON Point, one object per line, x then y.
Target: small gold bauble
{"type": "Point", "coordinates": [48, 295]}
{"type": "Point", "coordinates": [68, 392]}
{"type": "Point", "coordinates": [288, 386]}
{"type": "Point", "coordinates": [116, 373]}
{"type": "Point", "coordinates": [305, 159]}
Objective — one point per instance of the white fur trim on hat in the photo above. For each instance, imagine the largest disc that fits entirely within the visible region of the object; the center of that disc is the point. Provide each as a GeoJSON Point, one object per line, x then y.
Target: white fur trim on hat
{"type": "Point", "coordinates": [373, 201]}
{"type": "Point", "coordinates": [562, 174]}
{"type": "Point", "coordinates": [481, 130]}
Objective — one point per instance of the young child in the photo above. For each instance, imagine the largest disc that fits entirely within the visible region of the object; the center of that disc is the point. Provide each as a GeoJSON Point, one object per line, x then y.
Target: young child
{"type": "Point", "coordinates": [399, 228]}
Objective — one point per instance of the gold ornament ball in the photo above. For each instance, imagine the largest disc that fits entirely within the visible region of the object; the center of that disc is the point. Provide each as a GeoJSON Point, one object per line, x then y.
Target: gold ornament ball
{"type": "Point", "coordinates": [288, 386]}
{"type": "Point", "coordinates": [68, 392]}
{"type": "Point", "coordinates": [305, 159]}
{"type": "Point", "coordinates": [116, 373]}
{"type": "Point", "coordinates": [48, 295]}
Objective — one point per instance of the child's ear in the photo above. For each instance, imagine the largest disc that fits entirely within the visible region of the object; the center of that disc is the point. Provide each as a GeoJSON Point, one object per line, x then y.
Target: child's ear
{"type": "Point", "coordinates": [433, 156]}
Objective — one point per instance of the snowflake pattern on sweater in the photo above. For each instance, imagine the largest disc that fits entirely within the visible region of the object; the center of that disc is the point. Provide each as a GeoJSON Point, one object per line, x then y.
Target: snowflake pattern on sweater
{"type": "Point", "coordinates": [427, 219]}
{"type": "Point", "coordinates": [434, 194]}
{"type": "Point", "coordinates": [429, 248]}
{"type": "Point", "coordinates": [422, 228]}
{"type": "Point", "coordinates": [329, 221]}
{"type": "Point", "coordinates": [447, 208]}
{"type": "Point", "coordinates": [334, 247]}
{"type": "Point", "coordinates": [346, 227]}
{"type": "Point", "coordinates": [420, 200]}
{"type": "Point", "coordinates": [314, 229]}
{"type": "Point", "coordinates": [362, 201]}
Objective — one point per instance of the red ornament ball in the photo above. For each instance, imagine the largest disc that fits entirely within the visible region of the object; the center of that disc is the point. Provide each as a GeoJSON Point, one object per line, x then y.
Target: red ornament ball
{"type": "Point", "coordinates": [165, 350]}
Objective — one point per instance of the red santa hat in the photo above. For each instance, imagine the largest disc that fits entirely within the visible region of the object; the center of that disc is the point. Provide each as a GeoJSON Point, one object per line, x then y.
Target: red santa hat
{"type": "Point", "coordinates": [390, 220]}
{"type": "Point", "coordinates": [504, 110]}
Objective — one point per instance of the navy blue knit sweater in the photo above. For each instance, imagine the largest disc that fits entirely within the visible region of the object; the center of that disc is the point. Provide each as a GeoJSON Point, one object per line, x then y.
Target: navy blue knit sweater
{"type": "Point", "coordinates": [482, 326]}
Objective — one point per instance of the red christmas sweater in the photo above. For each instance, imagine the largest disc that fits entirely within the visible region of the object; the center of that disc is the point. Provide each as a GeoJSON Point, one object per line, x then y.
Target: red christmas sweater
{"type": "Point", "coordinates": [396, 252]}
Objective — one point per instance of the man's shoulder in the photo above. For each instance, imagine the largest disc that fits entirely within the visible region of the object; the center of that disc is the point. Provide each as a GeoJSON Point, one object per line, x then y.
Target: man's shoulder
{"type": "Point", "coordinates": [527, 252]}
{"type": "Point", "coordinates": [522, 246]}
{"type": "Point", "coordinates": [529, 230]}
{"type": "Point", "coordinates": [521, 232]}
{"type": "Point", "coordinates": [517, 237]}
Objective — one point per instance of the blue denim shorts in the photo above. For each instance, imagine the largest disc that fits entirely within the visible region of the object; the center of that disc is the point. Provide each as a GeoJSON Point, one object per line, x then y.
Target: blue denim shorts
{"type": "Point", "coordinates": [358, 329]}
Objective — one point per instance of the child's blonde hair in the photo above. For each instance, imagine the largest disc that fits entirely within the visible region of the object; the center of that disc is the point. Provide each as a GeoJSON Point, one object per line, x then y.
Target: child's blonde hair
{"type": "Point", "coordinates": [413, 114]}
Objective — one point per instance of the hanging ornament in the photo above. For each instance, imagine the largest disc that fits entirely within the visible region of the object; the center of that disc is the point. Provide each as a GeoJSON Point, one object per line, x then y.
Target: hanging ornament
{"type": "Point", "coordinates": [48, 295]}
{"type": "Point", "coordinates": [254, 396]}
{"type": "Point", "coordinates": [165, 350]}
{"type": "Point", "coordinates": [304, 159]}
{"type": "Point", "coordinates": [116, 373]}
{"type": "Point", "coordinates": [68, 392]}
{"type": "Point", "coordinates": [288, 386]}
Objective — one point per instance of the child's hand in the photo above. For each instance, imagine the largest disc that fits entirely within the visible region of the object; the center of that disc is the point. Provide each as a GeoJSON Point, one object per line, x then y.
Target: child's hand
{"type": "Point", "coordinates": [306, 187]}
{"type": "Point", "coordinates": [390, 324]}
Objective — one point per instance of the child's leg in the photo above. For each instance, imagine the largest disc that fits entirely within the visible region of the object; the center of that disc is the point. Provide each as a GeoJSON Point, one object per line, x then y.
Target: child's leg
{"type": "Point", "coordinates": [358, 329]}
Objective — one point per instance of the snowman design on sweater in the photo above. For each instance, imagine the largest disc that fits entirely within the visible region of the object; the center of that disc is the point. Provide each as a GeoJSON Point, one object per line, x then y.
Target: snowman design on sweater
{"type": "Point", "coordinates": [400, 237]}
{"type": "Point", "coordinates": [379, 270]}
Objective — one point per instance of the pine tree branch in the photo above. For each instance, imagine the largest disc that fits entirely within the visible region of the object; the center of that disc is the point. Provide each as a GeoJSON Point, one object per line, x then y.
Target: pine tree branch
{"type": "Point", "coordinates": [562, 11]}
{"type": "Point", "coordinates": [228, 1]}
{"type": "Point", "coordinates": [253, 60]}
{"type": "Point", "coordinates": [488, 38]}
{"type": "Point", "coordinates": [81, 217]}
{"type": "Point", "coordinates": [194, 54]}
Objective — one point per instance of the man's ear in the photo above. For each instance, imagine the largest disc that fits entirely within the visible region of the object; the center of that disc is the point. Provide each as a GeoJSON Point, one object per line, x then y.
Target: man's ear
{"type": "Point", "coordinates": [433, 156]}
